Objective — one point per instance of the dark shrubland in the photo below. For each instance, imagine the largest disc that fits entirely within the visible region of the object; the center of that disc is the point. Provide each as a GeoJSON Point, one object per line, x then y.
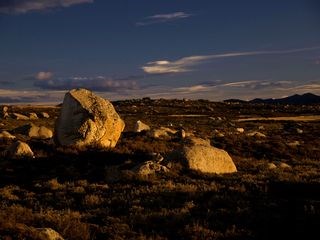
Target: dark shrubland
{"type": "Point", "coordinates": [92, 194]}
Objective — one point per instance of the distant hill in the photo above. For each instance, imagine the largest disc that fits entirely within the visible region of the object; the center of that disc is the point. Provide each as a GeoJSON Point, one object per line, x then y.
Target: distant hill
{"type": "Point", "coordinates": [307, 98]}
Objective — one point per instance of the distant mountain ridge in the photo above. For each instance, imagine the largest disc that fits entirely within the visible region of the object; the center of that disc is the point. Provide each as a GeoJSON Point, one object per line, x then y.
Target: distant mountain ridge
{"type": "Point", "coordinates": [304, 99]}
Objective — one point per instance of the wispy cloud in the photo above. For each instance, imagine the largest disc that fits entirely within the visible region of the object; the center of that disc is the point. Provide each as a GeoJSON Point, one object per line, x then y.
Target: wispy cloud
{"type": "Point", "coordinates": [241, 83]}
{"type": "Point", "coordinates": [162, 18]}
{"type": "Point", "coordinates": [99, 83]}
{"type": "Point", "coordinates": [24, 6]}
{"type": "Point", "coordinates": [310, 87]}
{"type": "Point", "coordinates": [185, 64]}
{"type": "Point", "coordinates": [178, 66]}
{"type": "Point", "coordinates": [245, 90]}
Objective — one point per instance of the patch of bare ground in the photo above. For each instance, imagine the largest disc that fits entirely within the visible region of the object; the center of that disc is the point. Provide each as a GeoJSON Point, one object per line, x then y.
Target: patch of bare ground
{"type": "Point", "coordinates": [92, 194]}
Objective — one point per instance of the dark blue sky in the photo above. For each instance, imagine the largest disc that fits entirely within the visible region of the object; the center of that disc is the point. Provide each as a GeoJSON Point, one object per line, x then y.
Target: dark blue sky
{"type": "Point", "coordinates": [159, 48]}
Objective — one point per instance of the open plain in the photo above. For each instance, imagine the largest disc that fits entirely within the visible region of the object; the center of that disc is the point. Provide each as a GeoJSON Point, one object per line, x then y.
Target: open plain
{"type": "Point", "coordinates": [98, 194]}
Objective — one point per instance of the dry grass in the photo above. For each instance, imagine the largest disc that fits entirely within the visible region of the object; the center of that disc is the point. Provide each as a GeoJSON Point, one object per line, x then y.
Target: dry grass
{"type": "Point", "coordinates": [92, 194]}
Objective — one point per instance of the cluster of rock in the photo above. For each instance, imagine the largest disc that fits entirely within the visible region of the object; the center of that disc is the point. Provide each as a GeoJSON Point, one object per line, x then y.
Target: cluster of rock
{"type": "Point", "coordinates": [281, 165]}
{"type": "Point", "coordinates": [5, 114]}
{"type": "Point", "coordinates": [33, 131]}
{"type": "Point", "coordinates": [87, 120]}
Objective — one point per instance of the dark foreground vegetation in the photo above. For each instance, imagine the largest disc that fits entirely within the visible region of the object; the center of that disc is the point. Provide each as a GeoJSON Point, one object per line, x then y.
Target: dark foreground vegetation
{"type": "Point", "coordinates": [92, 195]}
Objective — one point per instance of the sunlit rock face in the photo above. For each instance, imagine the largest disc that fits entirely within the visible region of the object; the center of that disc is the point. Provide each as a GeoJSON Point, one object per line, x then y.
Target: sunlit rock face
{"type": "Point", "coordinates": [140, 126]}
{"type": "Point", "coordinates": [19, 150]}
{"type": "Point", "coordinates": [197, 154]}
{"type": "Point", "coordinates": [87, 120]}
{"type": "Point", "coordinates": [208, 159]}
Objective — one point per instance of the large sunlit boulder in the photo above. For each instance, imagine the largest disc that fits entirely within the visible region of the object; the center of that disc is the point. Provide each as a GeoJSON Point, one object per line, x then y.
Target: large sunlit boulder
{"type": "Point", "coordinates": [87, 120]}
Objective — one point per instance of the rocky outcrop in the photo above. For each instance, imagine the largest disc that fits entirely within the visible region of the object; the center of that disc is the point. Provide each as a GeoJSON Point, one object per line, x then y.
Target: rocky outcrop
{"type": "Point", "coordinates": [87, 120]}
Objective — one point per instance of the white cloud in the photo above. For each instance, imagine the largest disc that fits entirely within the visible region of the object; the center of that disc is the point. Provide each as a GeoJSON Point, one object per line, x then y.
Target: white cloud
{"type": "Point", "coordinates": [243, 83]}
{"type": "Point", "coordinates": [200, 88]}
{"type": "Point", "coordinates": [170, 16]}
{"type": "Point", "coordinates": [184, 64]}
{"type": "Point", "coordinates": [162, 18]}
{"type": "Point", "coordinates": [24, 6]}
{"type": "Point", "coordinates": [44, 75]}
{"type": "Point", "coordinates": [178, 66]}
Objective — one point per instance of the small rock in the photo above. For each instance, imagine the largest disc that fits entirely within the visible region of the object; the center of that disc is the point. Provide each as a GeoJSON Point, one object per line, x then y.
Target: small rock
{"type": "Point", "coordinates": [19, 150]}
{"type": "Point", "coordinates": [240, 130]}
{"type": "Point", "coordinates": [181, 134]}
{"type": "Point", "coordinates": [156, 157]}
{"type": "Point", "coordinates": [271, 166]}
{"type": "Point", "coordinates": [33, 116]}
{"type": "Point", "coordinates": [5, 113]}
{"type": "Point", "coordinates": [140, 126]}
{"type": "Point", "coordinates": [218, 133]}
{"type": "Point", "coordinates": [6, 135]}
{"type": "Point", "coordinates": [49, 234]}
{"type": "Point", "coordinates": [44, 115]}
{"type": "Point", "coordinates": [256, 134]}
{"type": "Point", "coordinates": [294, 144]}
{"type": "Point", "coordinates": [149, 168]}
{"type": "Point", "coordinates": [162, 132]}
{"type": "Point", "coordinates": [284, 166]}
{"type": "Point", "coordinates": [300, 131]}
{"type": "Point", "coordinates": [19, 116]}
